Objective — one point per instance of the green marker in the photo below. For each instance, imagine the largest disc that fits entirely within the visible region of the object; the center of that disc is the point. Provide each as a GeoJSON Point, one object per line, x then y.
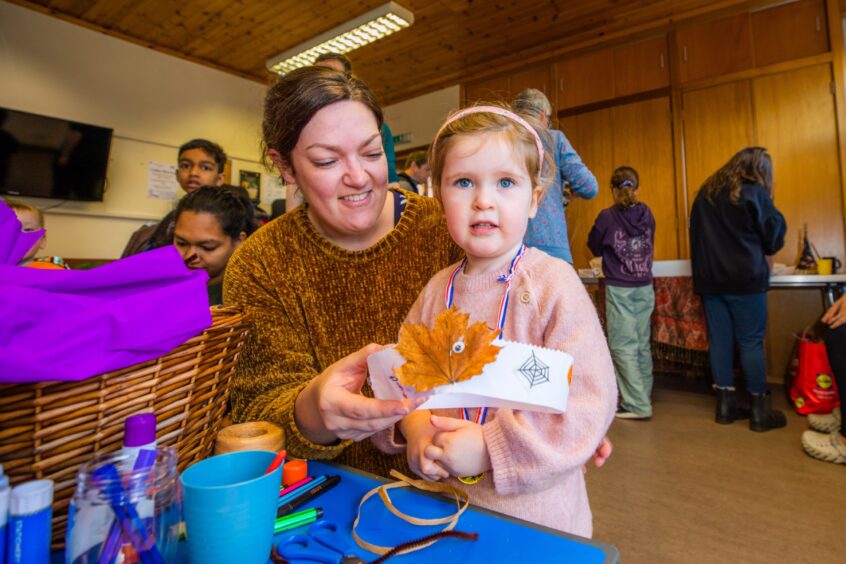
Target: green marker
{"type": "Point", "coordinates": [298, 519]}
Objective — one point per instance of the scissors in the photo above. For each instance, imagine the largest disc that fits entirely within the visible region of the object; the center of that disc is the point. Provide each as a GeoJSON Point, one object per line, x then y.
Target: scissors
{"type": "Point", "coordinates": [323, 534]}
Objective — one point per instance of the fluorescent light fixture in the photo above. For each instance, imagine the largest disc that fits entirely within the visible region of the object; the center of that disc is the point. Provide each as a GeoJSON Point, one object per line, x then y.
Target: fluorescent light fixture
{"type": "Point", "coordinates": [358, 32]}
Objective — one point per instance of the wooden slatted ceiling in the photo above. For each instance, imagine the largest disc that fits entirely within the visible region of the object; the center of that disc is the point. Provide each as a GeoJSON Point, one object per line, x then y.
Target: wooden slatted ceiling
{"type": "Point", "coordinates": [451, 41]}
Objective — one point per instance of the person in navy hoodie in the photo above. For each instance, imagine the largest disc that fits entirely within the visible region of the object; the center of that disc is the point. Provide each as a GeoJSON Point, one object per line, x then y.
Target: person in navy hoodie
{"type": "Point", "coordinates": [624, 236]}
{"type": "Point", "coordinates": [734, 227]}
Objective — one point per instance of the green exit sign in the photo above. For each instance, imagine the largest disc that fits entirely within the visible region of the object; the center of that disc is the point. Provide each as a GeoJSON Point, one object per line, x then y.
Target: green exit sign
{"type": "Point", "coordinates": [403, 138]}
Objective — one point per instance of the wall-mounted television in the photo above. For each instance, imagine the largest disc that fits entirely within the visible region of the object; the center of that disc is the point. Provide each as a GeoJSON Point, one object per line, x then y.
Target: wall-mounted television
{"type": "Point", "coordinates": [46, 157]}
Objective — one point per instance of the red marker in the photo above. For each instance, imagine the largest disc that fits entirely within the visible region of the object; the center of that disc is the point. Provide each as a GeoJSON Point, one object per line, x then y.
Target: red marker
{"type": "Point", "coordinates": [277, 462]}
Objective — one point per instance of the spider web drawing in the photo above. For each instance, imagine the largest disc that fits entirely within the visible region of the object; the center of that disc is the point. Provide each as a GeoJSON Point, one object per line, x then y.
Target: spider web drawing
{"type": "Point", "coordinates": [535, 371]}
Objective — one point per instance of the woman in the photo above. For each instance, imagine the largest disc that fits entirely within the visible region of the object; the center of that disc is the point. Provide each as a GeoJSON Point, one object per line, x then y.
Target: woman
{"type": "Point", "coordinates": [331, 276]}
{"type": "Point", "coordinates": [734, 227]}
{"type": "Point", "coordinates": [210, 223]}
{"type": "Point", "coordinates": [337, 273]}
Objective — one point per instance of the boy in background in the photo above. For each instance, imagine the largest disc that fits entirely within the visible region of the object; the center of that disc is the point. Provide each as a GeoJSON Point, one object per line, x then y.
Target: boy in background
{"type": "Point", "coordinates": [200, 163]}
{"type": "Point", "coordinates": [416, 173]}
{"type": "Point", "coordinates": [32, 219]}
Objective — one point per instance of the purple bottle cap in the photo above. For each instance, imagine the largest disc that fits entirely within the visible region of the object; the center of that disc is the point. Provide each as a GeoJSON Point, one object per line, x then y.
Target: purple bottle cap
{"type": "Point", "coordinates": [139, 430]}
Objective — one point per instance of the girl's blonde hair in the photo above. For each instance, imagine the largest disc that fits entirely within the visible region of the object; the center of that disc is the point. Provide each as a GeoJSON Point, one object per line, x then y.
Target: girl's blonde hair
{"type": "Point", "coordinates": [522, 141]}
{"type": "Point", "coordinates": [624, 184]}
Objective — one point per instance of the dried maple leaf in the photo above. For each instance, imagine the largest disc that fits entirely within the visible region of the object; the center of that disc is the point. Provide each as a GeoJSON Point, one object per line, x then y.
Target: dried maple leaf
{"type": "Point", "coordinates": [450, 352]}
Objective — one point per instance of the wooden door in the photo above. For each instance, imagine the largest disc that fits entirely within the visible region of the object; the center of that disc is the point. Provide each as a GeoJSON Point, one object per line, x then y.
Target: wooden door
{"type": "Point", "coordinates": [585, 79]}
{"type": "Point", "coordinates": [795, 120]}
{"type": "Point", "coordinates": [644, 140]}
{"type": "Point", "coordinates": [789, 31]}
{"type": "Point", "coordinates": [640, 67]}
{"type": "Point", "coordinates": [714, 47]}
{"type": "Point", "coordinates": [717, 122]}
{"type": "Point", "coordinates": [795, 117]}
{"type": "Point", "coordinates": [591, 135]}
{"type": "Point", "coordinates": [537, 77]}
{"type": "Point", "coordinates": [488, 90]}
{"type": "Point", "coordinates": [638, 135]}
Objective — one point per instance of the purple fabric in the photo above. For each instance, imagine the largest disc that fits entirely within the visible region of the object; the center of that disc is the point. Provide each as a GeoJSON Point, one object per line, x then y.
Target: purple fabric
{"type": "Point", "coordinates": [73, 324]}
{"type": "Point", "coordinates": [14, 243]}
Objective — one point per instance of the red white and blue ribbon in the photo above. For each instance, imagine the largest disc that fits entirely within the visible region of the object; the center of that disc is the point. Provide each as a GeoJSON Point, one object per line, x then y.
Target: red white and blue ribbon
{"type": "Point", "coordinates": [482, 414]}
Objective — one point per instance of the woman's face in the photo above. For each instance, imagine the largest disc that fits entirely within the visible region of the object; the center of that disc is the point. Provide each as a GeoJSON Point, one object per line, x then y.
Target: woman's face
{"type": "Point", "coordinates": [339, 166]}
{"type": "Point", "coordinates": [203, 244]}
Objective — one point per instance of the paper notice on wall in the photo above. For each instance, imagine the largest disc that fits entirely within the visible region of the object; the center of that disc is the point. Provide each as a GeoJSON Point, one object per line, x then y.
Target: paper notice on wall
{"type": "Point", "coordinates": [161, 181]}
{"type": "Point", "coordinates": [271, 189]}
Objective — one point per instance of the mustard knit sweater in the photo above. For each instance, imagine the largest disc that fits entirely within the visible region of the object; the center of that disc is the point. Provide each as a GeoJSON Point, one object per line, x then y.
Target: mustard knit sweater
{"type": "Point", "coordinates": [312, 303]}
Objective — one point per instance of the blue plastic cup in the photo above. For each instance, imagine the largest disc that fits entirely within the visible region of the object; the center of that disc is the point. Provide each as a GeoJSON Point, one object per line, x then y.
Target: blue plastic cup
{"type": "Point", "coordinates": [229, 506]}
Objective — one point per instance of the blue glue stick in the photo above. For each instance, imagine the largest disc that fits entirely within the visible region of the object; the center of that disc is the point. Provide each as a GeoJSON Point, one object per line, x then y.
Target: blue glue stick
{"type": "Point", "coordinates": [30, 511]}
{"type": "Point", "coordinates": [4, 515]}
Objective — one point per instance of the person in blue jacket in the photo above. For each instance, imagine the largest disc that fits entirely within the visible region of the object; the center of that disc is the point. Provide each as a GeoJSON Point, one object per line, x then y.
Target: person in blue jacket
{"type": "Point", "coordinates": [734, 228]}
{"type": "Point", "coordinates": [547, 231]}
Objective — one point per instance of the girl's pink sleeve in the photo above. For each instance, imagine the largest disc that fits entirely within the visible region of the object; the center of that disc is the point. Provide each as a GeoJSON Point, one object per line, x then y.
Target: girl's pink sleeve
{"type": "Point", "coordinates": [529, 450]}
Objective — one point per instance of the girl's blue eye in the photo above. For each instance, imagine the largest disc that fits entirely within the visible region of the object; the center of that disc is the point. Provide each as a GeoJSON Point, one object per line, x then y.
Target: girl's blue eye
{"type": "Point", "coordinates": [463, 183]}
{"type": "Point", "coordinates": [506, 183]}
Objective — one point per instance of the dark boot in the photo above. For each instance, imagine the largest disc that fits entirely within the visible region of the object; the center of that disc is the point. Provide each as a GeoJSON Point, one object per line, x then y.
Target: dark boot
{"type": "Point", "coordinates": [764, 417]}
{"type": "Point", "coordinates": [727, 409]}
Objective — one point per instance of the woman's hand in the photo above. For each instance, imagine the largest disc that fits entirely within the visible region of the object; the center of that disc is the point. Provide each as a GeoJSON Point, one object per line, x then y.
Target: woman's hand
{"type": "Point", "coordinates": [419, 432]}
{"type": "Point", "coordinates": [836, 314]}
{"type": "Point", "coordinates": [331, 407]}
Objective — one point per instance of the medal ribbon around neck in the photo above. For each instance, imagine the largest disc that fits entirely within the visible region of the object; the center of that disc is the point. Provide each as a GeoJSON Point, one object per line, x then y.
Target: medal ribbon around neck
{"type": "Point", "coordinates": [482, 413]}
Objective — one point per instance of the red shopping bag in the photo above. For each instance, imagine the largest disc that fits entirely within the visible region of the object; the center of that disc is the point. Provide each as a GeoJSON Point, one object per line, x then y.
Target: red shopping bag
{"type": "Point", "coordinates": [813, 389]}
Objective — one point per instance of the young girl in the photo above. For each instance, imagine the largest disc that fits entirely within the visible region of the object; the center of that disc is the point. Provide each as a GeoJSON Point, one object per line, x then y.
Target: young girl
{"type": "Point", "coordinates": [624, 236]}
{"type": "Point", "coordinates": [486, 170]}
{"type": "Point", "coordinates": [210, 223]}
{"type": "Point", "coordinates": [32, 219]}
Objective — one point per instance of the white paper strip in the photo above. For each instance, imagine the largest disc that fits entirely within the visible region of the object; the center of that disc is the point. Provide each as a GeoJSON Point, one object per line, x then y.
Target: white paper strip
{"type": "Point", "coordinates": [522, 377]}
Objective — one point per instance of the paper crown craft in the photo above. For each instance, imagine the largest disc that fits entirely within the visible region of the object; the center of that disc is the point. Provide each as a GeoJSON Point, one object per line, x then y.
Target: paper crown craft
{"type": "Point", "coordinates": [459, 364]}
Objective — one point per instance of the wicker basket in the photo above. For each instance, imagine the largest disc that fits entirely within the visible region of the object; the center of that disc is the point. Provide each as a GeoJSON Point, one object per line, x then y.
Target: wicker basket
{"type": "Point", "coordinates": [48, 429]}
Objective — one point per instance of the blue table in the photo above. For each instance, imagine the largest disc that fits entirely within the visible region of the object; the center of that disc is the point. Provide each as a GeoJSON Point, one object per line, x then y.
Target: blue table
{"type": "Point", "coordinates": [501, 538]}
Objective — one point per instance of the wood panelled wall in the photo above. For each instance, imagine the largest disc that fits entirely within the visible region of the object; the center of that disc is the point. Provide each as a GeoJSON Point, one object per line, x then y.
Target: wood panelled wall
{"type": "Point", "coordinates": [677, 104]}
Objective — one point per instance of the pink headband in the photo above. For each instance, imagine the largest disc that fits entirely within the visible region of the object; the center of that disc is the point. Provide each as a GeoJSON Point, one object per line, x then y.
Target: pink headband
{"type": "Point", "coordinates": [500, 112]}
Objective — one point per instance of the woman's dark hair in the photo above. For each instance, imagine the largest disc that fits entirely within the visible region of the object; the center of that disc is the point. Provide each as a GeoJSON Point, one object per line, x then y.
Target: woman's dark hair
{"type": "Point", "coordinates": [292, 101]}
{"type": "Point", "coordinates": [624, 182]}
{"type": "Point", "coordinates": [752, 165]}
{"type": "Point", "coordinates": [211, 148]}
{"type": "Point", "coordinates": [233, 210]}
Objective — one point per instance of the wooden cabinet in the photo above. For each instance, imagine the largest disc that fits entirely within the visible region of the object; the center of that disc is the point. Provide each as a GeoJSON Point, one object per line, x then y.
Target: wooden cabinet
{"type": "Point", "coordinates": [789, 31]}
{"type": "Point", "coordinates": [714, 47]}
{"type": "Point", "coordinates": [504, 88]}
{"type": "Point", "coordinates": [717, 122]}
{"type": "Point", "coordinates": [613, 72]}
{"type": "Point", "coordinates": [596, 137]}
{"type": "Point", "coordinates": [640, 67]}
{"type": "Point", "coordinates": [585, 79]}
{"type": "Point", "coordinates": [743, 41]}
{"type": "Point", "coordinates": [534, 78]}
{"type": "Point", "coordinates": [488, 90]}
{"type": "Point", "coordinates": [792, 114]}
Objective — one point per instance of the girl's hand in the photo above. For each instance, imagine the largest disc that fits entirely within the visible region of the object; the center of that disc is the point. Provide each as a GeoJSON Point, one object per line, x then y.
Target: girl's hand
{"type": "Point", "coordinates": [602, 454]}
{"type": "Point", "coordinates": [836, 314]}
{"type": "Point", "coordinates": [418, 432]}
{"type": "Point", "coordinates": [331, 406]}
{"type": "Point", "coordinates": [458, 446]}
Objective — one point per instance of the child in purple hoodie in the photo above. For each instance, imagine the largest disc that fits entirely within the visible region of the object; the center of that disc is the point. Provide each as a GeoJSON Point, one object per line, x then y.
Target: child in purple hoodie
{"type": "Point", "coordinates": [624, 236]}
